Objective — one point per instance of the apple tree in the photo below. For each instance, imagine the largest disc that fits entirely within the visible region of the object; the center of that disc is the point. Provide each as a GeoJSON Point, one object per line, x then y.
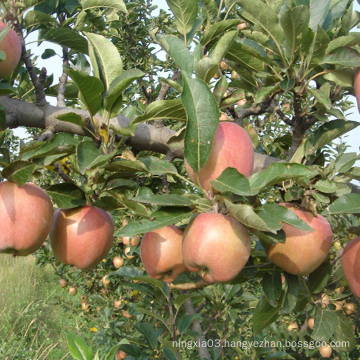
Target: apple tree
{"type": "Point", "coordinates": [130, 127]}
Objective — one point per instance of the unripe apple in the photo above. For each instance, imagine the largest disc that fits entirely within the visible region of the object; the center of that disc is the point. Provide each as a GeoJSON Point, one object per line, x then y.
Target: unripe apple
{"type": "Point", "coordinates": [293, 326]}
{"type": "Point", "coordinates": [11, 46]}
{"type": "Point", "coordinates": [124, 222]}
{"type": "Point", "coordinates": [89, 283]}
{"type": "Point", "coordinates": [85, 306]}
{"type": "Point", "coordinates": [63, 283]}
{"type": "Point", "coordinates": [340, 289]}
{"type": "Point", "coordinates": [242, 102]}
{"type": "Point", "coordinates": [72, 291]}
{"type": "Point", "coordinates": [117, 303]}
{"type": "Point", "coordinates": [325, 301]}
{"type": "Point", "coordinates": [224, 65]}
{"type": "Point", "coordinates": [232, 147]}
{"type": "Point", "coordinates": [26, 214]}
{"type": "Point", "coordinates": [303, 251]}
{"type": "Point", "coordinates": [126, 240]}
{"type": "Point", "coordinates": [325, 351]}
{"type": "Point", "coordinates": [120, 355]}
{"type": "Point", "coordinates": [338, 305]}
{"type": "Point", "coordinates": [127, 252]}
{"type": "Point", "coordinates": [82, 236]}
{"type": "Point", "coordinates": [337, 245]}
{"type": "Point", "coordinates": [161, 253]}
{"type": "Point", "coordinates": [126, 314]}
{"type": "Point", "coordinates": [105, 281]}
{"type": "Point", "coordinates": [311, 323]}
{"type": "Point", "coordinates": [216, 246]}
{"type": "Point", "coordinates": [349, 308]}
{"type": "Point", "coordinates": [351, 265]}
{"type": "Point", "coordinates": [83, 298]}
{"type": "Point", "coordinates": [223, 117]}
{"type": "Point", "coordinates": [118, 262]}
{"type": "Point", "coordinates": [135, 241]}
{"type": "Point", "coordinates": [242, 26]}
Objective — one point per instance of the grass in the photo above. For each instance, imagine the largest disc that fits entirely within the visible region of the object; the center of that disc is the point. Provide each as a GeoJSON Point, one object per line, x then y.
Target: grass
{"type": "Point", "coordinates": [32, 318]}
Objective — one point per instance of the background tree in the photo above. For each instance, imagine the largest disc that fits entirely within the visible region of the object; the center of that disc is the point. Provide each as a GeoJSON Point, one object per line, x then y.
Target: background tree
{"type": "Point", "coordinates": [284, 71]}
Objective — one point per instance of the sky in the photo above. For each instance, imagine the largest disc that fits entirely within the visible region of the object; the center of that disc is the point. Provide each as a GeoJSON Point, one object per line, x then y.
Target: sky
{"type": "Point", "coordinates": [351, 138]}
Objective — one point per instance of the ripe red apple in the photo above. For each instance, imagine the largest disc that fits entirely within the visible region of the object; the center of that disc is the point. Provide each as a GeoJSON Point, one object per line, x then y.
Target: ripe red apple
{"type": "Point", "coordinates": [351, 265]}
{"type": "Point", "coordinates": [72, 291]}
{"type": "Point", "coordinates": [82, 236]}
{"type": "Point", "coordinates": [216, 246]}
{"type": "Point", "coordinates": [118, 262]}
{"type": "Point", "coordinates": [26, 214]}
{"type": "Point", "coordinates": [63, 283]}
{"type": "Point", "coordinates": [161, 254]}
{"type": "Point", "coordinates": [325, 351]}
{"type": "Point", "coordinates": [11, 46]}
{"type": "Point", "coordinates": [303, 251]}
{"type": "Point", "coordinates": [232, 147]}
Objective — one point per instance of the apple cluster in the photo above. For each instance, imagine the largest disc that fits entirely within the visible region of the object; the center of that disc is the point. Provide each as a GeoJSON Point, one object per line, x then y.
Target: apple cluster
{"type": "Point", "coordinates": [11, 46]}
{"type": "Point", "coordinates": [81, 236]}
{"type": "Point", "coordinates": [217, 246]}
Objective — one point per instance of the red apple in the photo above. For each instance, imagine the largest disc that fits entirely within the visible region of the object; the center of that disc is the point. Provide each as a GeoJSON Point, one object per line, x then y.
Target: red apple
{"type": "Point", "coordinates": [161, 254]}
{"type": "Point", "coordinates": [26, 214]}
{"type": "Point", "coordinates": [232, 147]}
{"type": "Point", "coordinates": [351, 265]}
{"type": "Point", "coordinates": [303, 251]}
{"type": "Point", "coordinates": [82, 236]}
{"type": "Point", "coordinates": [120, 355]}
{"type": "Point", "coordinates": [11, 46]}
{"type": "Point", "coordinates": [216, 246]}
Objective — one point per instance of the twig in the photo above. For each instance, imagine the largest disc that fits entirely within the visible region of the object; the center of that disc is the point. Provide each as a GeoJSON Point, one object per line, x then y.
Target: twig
{"type": "Point", "coordinates": [171, 312]}
{"type": "Point", "coordinates": [63, 80]}
{"type": "Point", "coordinates": [190, 286]}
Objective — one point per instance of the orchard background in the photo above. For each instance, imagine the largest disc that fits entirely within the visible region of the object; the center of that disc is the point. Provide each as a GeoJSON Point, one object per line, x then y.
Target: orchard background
{"type": "Point", "coordinates": [117, 138]}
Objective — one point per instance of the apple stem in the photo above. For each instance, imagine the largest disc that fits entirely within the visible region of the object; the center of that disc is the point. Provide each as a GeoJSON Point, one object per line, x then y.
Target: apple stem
{"type": "Point", "coordinates": [15, 253]}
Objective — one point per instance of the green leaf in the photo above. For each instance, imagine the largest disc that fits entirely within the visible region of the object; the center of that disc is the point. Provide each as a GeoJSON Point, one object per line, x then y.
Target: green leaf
{"type": "Point", "coordinates": [317, 48]}
{"type": "Point", "coordinates": [217, 30]}
{"type": "Point", "coordinates": [231, 180]}
{"type": "Point", "coordinates": [34, 18]}
{"type": "Point", "coordinates": [187, 321]}
{"type": "Point", "coordinates": [206, 68]}
{"type": "Point", "coordinates": [271, 283]}
{"type": "Point", "coordinates": [163, 200]}
{"type": "Point", "coordinates": [129, 271]}
{"type": "Point", "coordinates": [264, 18]}
{"type": "Point", "coordinates": [180, 300]}
{"type": "Point", "coordinates": [278, 172]}
{"type": "Point", "coordinates": [325, 186]}
{"type": "Point", "coordinates": [318, 12]}
{"type": "Point", "coordinates": [203, 119]}
{"type": "Point", "coordinates": [325, 323]}
{"type": "Point", "coordinates": [177, 50]}
{"type": "Point", "coordinates": [60, 143]}
{"type": "Point", "coordinates": [152, 314]}
{"type": "Point", "coordinates": [344, 78]}
{"type": "Point", "coordinates": [66, 37]}
{"type": "Point", "coordinates": [346, 204]}
{"type": "Point", "coordinates": [18, 171]}
{"type": "Point", "coordinates": [149, 334]}
{"type": "Point", "coordinates": [345, 162]}
{"type": "Point", "coordinates": [295, 22]}
{"type": "Point", "coordinates": [112, 4]}
{"type": "Point", "coordinates": [247, 216]}
{"type": "Point", "coordinates": [90, 88]}
{"type": "Point", "coordinates": [118, 86]}
{"type": "Point", "coordinates": [345, 56]}
{"type": "Point", "coordinates": [185, 13]}
{"type": "Point", "coordinates": [158, 166]}
{"type": "Point", "coordinates": [327, 133]}
{"type": "Point", "coordinates": [72, 118]}
{"type": "Point", "coordinates": [67, 195]}
{"type": "Point", "coordinates": [265, 314]}
{"type": "Point", "coordinates": [78, 348]}
{"type": "Point", "coordinates": [89, 157]}
{"type": "Point", "coordinates": [319, 278]}
{"type": "Point", "coordinates": [322, 97]}
{"type": "Point", "coordinates": [169, 354]}
{"type": "Point", "coordinates": [163, 110]}
{"type": "Point", "coordinates": [291, 295]}
{"type": "Point", "coordinates": [274, 215]}
{"type": "Point", "coordinates": [6, 89]}
{"type": "Point", "coordinates": [107, 58]}
{"type": "Point", "coordinates": [278, 355]}
{"type": "Point", "coordinates": [159, 219]}
{"type": "Point", "coordinates": [344, 334]}
{"type": "Point", "coordinates": [344, 41]}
